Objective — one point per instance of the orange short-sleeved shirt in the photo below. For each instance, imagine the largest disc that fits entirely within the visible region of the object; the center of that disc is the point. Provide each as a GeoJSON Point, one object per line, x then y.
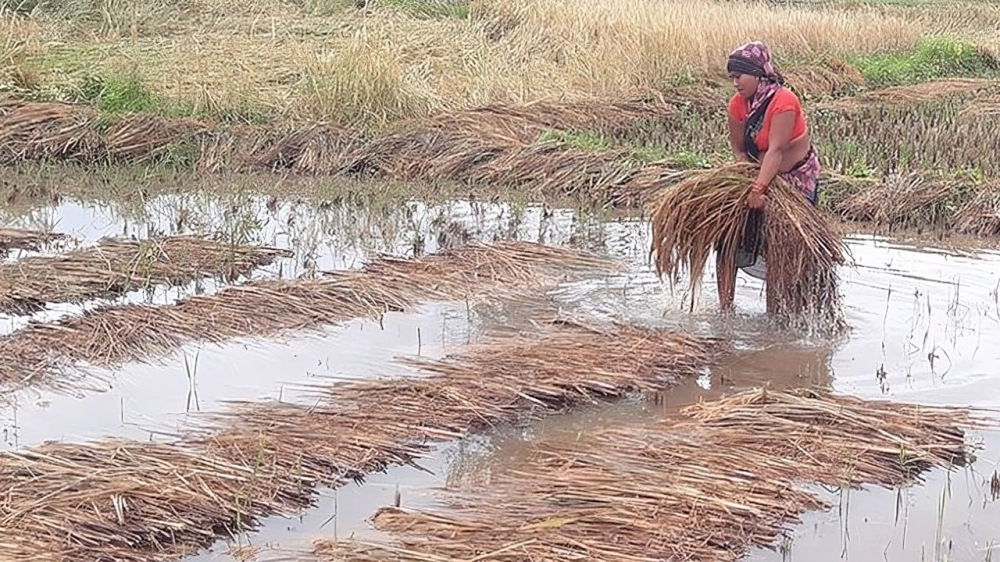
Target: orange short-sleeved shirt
{"type": "Point", "coordinates": [783, 100]}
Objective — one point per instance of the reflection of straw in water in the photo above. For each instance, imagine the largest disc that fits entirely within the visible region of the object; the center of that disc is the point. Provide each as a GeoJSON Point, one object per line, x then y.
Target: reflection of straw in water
{"type": "Point", "coordinates": [115, 267]}
{"type": "Point", "coordinates": [132, 501]}
{"type": "Point", "coordinates": [708, 484]}
{"type": "Point", "coordinates": [113, 335]}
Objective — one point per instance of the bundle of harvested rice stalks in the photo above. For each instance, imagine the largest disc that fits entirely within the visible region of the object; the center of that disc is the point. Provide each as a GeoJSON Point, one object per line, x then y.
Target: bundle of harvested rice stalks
{"type": "Point", "coordinates": [550, 168]}
{"type": "Point", "coordinates": [525, 122]}
{"type": "Point", "coordinates": [132, 501]}
{"type": "Point", "coordinates": [35, 131]}
{"type": "Point", "coordinates": [707, 209]}
{"type": "Point", "coordinates": [901, 201]}
{"type": "Point", "coordinates": [140, 136]}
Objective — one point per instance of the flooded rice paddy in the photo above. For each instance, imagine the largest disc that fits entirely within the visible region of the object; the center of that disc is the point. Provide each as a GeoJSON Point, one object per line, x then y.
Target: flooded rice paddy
{"type": "Point", "coordinates": [925, 328]}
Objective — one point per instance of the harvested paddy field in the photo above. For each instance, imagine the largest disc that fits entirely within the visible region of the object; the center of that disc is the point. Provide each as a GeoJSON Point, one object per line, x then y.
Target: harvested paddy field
{"type": "Point", "coordinates": [265, 459]}
{"type": "Point", "coordinates": [336, 280]}
{"type": "Point", "coordinates": [111, 336]}
{"type": "Point", "coordinates": [267, 398]}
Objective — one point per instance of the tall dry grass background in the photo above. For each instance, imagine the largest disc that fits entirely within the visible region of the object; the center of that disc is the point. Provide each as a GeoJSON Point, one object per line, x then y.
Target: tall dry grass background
{"type": "Point", "coordinates": [330, 60]}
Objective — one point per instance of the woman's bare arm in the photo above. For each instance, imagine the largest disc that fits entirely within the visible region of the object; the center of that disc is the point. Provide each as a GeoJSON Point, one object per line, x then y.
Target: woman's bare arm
{"type": "Point", "coordinates": [736, 140]}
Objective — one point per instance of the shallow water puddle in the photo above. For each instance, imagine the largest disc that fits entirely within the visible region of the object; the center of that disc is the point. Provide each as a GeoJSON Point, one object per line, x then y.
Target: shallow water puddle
{"type": "Point", "coordinates": [924, 328]}
{"type": "Point", "coordinates": [323, 237]}
{"type": "Point", "coordinates": [142, 399]}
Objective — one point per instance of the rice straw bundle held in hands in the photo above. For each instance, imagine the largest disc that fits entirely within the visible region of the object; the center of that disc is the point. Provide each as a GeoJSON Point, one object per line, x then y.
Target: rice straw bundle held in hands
{"type": "Point", "coordinates": [707, 209]}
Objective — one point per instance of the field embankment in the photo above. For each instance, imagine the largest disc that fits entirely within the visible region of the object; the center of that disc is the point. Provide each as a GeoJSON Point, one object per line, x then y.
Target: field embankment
{"type": "Point", "coordinates": [587, 150]}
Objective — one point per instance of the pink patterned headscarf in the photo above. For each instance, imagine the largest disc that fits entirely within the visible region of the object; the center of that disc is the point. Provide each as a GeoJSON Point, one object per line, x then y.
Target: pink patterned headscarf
{"type": "Point", "coordinates": [755, 58]}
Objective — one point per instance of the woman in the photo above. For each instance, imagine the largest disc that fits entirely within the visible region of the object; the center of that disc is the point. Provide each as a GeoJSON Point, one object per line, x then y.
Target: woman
{"type": "Point", "coordinates": [767, 127]}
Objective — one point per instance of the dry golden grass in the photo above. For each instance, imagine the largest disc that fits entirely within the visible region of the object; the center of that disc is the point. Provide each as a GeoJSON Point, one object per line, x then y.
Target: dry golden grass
{"type": "Point", "coordinates": [381, 64]}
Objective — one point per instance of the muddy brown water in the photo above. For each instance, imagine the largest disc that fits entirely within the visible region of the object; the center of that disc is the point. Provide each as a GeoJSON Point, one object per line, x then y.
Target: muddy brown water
{"type": "Point", "coordinates": [925, 328]}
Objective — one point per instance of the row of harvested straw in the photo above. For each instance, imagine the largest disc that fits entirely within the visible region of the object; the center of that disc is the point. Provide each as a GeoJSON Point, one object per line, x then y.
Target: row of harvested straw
{"type": "Point", "coordinates": [132, 501]}
{"type": "Point", "coordinates": [46, 354]}
{"type": "Point", "coordinates": [494, 145]}
{"type": "Point", "coordinates": [116, 266]}
{"type": "Point", "coordinates": [31, 240]}
{"type": "Point", "coordinates": [710, 483]}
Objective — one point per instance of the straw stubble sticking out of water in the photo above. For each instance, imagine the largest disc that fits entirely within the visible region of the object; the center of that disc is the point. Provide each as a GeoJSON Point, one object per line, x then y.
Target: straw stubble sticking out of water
{"type": "Point", "coordinates": [139, 501]}
{"type": "Point", "coordinates": [111, 336]}
{"type": "Point", "coordinates": [115, 267]}
{"type": "Point", "coordinates": [708, 484]}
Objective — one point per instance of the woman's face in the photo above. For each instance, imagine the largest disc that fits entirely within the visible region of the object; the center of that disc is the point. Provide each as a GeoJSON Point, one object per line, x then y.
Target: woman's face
{"type": "Point", "coordinates": [745, 84]}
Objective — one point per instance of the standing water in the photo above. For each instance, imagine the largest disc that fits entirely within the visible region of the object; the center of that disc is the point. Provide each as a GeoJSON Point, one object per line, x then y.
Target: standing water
{"type": "Point", "coordinates": [923, 329]}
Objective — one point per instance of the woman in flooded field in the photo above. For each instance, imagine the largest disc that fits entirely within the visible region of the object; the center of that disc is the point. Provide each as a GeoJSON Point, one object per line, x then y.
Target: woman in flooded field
{"type": "Point", "coordinates": [767, 127]}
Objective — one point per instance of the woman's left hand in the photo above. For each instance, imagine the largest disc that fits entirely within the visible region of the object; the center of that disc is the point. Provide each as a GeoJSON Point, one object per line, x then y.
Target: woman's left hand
{"type": "Point", "coordinates": [756, 199]}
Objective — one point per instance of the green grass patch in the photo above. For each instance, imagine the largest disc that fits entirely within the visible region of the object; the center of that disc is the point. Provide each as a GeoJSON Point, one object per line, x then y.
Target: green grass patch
{"type": "Point", "coordinates": [578, 140]}
{"type": "Point", "coordinates": [117, 95]}
{"type": "Point", "coordinates": [932, 59]}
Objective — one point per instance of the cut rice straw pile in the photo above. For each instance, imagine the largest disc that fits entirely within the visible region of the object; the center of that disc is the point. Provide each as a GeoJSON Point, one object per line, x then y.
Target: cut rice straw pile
{"type": "Point", "coordinates": [935, 91]}
{"type": "Point", "coordinates": [497, 144]}
{"type": "Point", "coordinates": [902, 200]}
{"type": "Point", "coordinates": [981, 215]}
{"type": "Point", "coordinates": [707, 208]}
{"type": "Point", "coordinates": [115, 267]}
{"type": "Point", "coordinates": [710, 483]}
{"type": "Point", "coordinates": [136, 501]}
{"type": "Point", "coordinates": [110, 336]}
{"type": "Point", "coordinates": [32, 240]}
